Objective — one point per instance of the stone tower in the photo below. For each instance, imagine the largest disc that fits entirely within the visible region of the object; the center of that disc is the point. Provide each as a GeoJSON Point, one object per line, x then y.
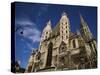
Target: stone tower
{"type": "Point", "coordinates": [61, 49]}
{"type": "Point", "coordinates": [43, 47]}
{"type": "Point", "coordinates": [86, 34]}
{"type": "Point", "coordinates": [64, 28]}
{"type": "Point", "coordinates": [90, 42]}
{"type": "Point", "coordinates": [46, 31]}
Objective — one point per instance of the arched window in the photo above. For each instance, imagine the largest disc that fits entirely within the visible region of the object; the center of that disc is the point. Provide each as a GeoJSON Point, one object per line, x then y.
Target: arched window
{"type": "Point", "coordinates": [66, 23]}
{"type": "Point", "coordinates": [66, 31]}
{"type": "Point", "coordinates": [62, 47]}
{"type": "Point", "coordinates": [46, 32]}
{"type": "Point", "coordinates": [62, 37]}
{"type": "Point", "coordinates": [49, 55]}
{"type": "Point", "coordinates": [74, 44]}
{"type": "Point", "coordinates": [62, 31]}
{"type": "Point", "coordinates": [66, 26]}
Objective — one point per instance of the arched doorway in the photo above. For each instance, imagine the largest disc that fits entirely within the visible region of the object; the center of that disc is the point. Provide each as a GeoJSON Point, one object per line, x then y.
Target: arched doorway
{"type": "Point", "coordinates": [49, 55]}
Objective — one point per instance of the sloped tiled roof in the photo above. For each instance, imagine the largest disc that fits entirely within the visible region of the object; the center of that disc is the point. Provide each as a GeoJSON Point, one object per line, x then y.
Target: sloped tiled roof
{"type": "Point", "coordinates": [56, 30]}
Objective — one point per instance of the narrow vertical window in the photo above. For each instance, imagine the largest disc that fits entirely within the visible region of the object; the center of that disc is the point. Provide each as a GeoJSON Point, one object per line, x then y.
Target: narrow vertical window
{"type": "Point", "coordinates": [62, 31]}
{"type": "Point", "coordinates": [66, 23]}
{"type": "Point", "coordinates": [74, 44]}
{"type": "Point", "coordinates": [45, 36]}
{"type": "Point", "coordinates": [46, 32]}
{"type": "Point", "coordinates": [66, 31]}
{"type": "Point", "coordinates": [66, 26]}
{"type": "Point", "coordinates": [62, 37]}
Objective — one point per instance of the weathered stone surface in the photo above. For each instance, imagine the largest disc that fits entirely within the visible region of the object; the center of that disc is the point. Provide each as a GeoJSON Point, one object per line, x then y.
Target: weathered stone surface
{"type": "Point", "coordinates": [64, 50]}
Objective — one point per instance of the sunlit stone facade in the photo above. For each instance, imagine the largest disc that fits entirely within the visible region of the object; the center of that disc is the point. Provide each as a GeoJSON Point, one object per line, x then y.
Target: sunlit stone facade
{"type": "Point", "coordinates": [61, 49]}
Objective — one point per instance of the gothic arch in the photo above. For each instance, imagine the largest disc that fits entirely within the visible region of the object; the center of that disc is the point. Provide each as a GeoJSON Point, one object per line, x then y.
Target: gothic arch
{"type": "Point", "coordinates": [74, 43]}
{"type": "Point", "coordinates": [49, 54]}
{"type": "Point", "coordinates": [62, 47]}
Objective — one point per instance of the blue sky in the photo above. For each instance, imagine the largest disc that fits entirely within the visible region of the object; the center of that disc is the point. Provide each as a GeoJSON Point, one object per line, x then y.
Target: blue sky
{"type": "Point", "coordinates": [32, 18]}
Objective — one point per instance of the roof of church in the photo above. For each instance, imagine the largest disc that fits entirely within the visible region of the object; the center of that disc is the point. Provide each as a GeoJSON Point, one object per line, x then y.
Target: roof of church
{"type": "Point", "coordinates": [56, 31]}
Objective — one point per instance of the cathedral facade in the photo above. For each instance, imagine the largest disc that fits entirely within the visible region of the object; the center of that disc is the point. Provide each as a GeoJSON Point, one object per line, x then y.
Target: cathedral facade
{"type": "Point", "coordinates": [61, 49]}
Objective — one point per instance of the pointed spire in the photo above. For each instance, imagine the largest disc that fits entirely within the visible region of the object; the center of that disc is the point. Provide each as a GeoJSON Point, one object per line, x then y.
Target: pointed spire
{"type": "Point", "coordinates": [48, 26]}
{"type": "Point", "coordinates": [85, 29]}
{"type": "Point", "coordinates": [83, 23]}
{"type": "Point", "coordinates": [49, 23]}
{"type": "Point", "coordinates": [64, 13]}
{"type": "Point", "coordinates": [81, 19]}
{"type": "Point", "coordinates": [64, 16]}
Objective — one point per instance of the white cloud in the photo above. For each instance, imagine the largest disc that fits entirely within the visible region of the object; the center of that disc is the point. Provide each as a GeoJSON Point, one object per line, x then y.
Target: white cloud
{"type": "Point", "coordinates": [24, 22]}
{"type": "Point", "coordinates": [32, 34]}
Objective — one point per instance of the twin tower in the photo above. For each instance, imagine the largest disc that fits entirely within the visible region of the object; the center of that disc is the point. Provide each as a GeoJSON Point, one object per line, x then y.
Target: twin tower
{"type": "Point", "coordinates": [63, 29]}
{"type": "Point", "coordinates": [61, 49]}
